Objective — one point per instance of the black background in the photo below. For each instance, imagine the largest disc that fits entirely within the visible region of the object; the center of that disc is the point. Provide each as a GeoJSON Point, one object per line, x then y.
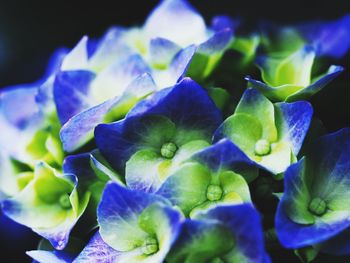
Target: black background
{"type": "Point", "coordinates": [30, 30]}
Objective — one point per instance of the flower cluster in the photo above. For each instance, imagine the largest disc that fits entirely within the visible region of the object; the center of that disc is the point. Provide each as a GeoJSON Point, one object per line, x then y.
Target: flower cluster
{"type": "Point", "coordinates": [145, 142]}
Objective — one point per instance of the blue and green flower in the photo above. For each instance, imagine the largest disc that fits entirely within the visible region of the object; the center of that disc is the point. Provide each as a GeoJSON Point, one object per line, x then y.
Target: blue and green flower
{"type": "Point", "coordinates": [157, 136]}
{"type": "Point", "coordinates": [289, 77]}
{"type": "Point", "coordinates": [314, 207]}
{"type": "Point", "coordinates": [269, 134]}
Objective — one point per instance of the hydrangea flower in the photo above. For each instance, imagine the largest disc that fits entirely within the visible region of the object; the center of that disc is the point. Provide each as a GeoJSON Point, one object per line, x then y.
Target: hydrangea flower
{"type": "Point", "coordinates": [158, 136]}
{"type": "Point", "coordinates": [138, 226]}
{"type": "Point", "coordinates": [85, 95]}
{"type": "Point", "coordinates": [49, 203]}
{"type": "Point", "coordinates": [268, 134]}
{"type": "Point", "coordinates": [100, 85]}
{"type": "Point", "coordinates": [288, 78]}
{"type": "Point", "coordinates": [328, 38]}
{"type": "Point", "coordinates": [29, 133]}
{"type": "Point", "coordinates": [213, 176]}
{"type": "Point", "coordinates": [175, 24]}
{"type": "Point", "coordinates": [314, 207]}
{"type": "Point", "coordinates": [222, 234]}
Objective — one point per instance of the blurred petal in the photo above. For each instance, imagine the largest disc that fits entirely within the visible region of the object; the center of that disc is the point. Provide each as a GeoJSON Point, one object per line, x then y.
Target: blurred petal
{"type": "Point", "coordinates": [79, 129]}
{"type": "Point", "coordinates": [177, 68]}
{"type": "Point", "coordinates": [71, 93]}
{"type": "Point", "coordinates": [177, 21]}
{"type": "Point", "coordinates": [217, 43]}
{"type": "Point", "coordinates": [221, 22]}
{"type": "Point", "coordinates": [109, 49]}
{"type": "Point", "coordinates": [329, 38]}
{"type": "Point", "coordinates": [115, 78]}
{"type": "Point", "coordinates": [77, 59]}
{"type": "Point", "coordinates": [162, 51]}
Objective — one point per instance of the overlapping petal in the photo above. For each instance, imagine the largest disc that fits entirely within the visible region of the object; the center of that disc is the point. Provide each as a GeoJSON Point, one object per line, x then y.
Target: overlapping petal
{"type": "Point", "coordinates": [314, 206]}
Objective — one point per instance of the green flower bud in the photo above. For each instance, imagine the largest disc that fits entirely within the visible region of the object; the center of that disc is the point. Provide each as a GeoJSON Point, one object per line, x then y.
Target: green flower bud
{"type": "Point", "coordinates": [262, 147]}
{"type": "Point", "coordinates": [214, 192]}
{"type": "Point", "coordinates": [317, 206]}
{"type": "Point", "coordinates": [168, 150]}
{"type": "Point", "coordinates": [150, 246]}
{"type": "Point", "coordinates": [64, 201]}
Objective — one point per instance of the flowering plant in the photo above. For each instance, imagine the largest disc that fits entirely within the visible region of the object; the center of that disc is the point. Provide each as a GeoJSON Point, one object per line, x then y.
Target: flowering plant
{"type": "Point", "coordinates": [139, 139]}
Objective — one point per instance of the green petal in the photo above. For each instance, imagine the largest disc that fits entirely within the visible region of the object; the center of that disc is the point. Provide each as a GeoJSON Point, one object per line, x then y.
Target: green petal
{"type": "Point", "coordinates": [244, 130]}
{"type": "Point", "coordinates": [201, 241]}
{"type": "Point", "coordinates": [156, 130]}
{"type": "Point", "coordinates": [234, 183]}
{"type": "Point", "coordinates": [278, 160]}
{"type": "Point", "coordinates": [296, 69]}
{"type": "Point", "coordinates": [179, 187]}
{"type": "Point", "coordinates": [255, 104]}
{"type": "Point", "coordinates": [39, 200]}
{"type": "Point", "coordinates": [143, 170]}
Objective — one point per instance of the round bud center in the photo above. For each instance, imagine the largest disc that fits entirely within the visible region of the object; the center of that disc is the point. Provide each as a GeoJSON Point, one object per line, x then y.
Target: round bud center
{"type": "Point", "coordinates": [214, 192]}
{"type": "Point", "coordinates": [64, 201]}
{"type": "Point", "coordinates": [262, 147]}
{"type": "Point", "coordinates": [150, 246]}
{"type": "Point", "coordinates": [317, 206]}
{"type": "Point", "coordinates": [168, 150]}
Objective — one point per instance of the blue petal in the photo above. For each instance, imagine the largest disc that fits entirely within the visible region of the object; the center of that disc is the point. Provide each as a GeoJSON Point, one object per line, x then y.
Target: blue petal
{"type": "Point", "coordinates": [97, 251]}
{"type": "Point", "coordinates": [109, 49]}
{"type": "Point", "coordinates": [77, 58]}
{"type": "Point", "coordinates": [71, 93]}
{"type": "Point", "coordinates": [18, 105]}
{"type": "Point", "coordinates": [293, 235]}
{"type": "Point", "coordinates": [197, 108]}
{"type": "Point", "coordinates": [179, 65]}
{"type": "Point", "coordinates": [79, 166]}
{"type": "Point", "coordinates": [115, 78]}
{"type": "Point", "coordinates": [330, 38]}
{"type": "Point", "coordinates": [162, 51]}
{"type": "Point", "coordinates": [226, 155]}
{"type": "Point", "coordinates": [119, 210]}
{"type": "Point", "coordinates": [79, 129]}
{"type": "Point", "coordinates": [245, 223]}
{"type": "Point", "coordinates": [292, 122]}
{"type": "Point", "coordinates": [218, 42]}
{"type": "Point", "coordinates": [111, 141]}
{"type": "Point", "coordinates": [221, 22]}
{"type": "Point", "coordinates": [338, 245]}
{"type": "Point", "coordinates": [329, 163]}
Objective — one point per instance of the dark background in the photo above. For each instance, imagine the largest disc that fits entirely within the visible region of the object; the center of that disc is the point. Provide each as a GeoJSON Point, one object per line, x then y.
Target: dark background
{"type": "Point", "coordinates": [30, 30]}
